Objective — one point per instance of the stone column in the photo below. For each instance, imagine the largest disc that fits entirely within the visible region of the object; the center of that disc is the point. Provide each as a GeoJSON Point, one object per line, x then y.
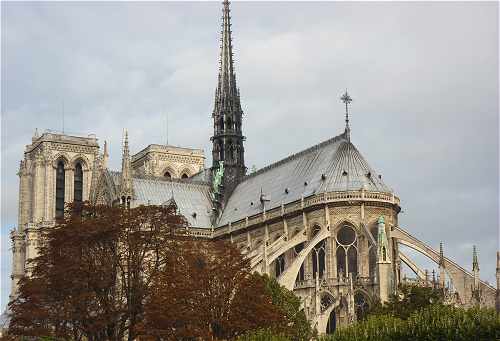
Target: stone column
{"type": "Point", "coordinates": [31, 238]}
{"type": "Point", "coordinates": [18, 259]}
{"type": "Point", "coordinates": [69, 184]}
{"type": "Point", "coordinates": [87, 182]}
{"type": "Point", "coordinates": [48, 170]}
{"type": "Point", "coordinates": [334, 257]}
{"type": "Point", "coordinates": [24, 196]}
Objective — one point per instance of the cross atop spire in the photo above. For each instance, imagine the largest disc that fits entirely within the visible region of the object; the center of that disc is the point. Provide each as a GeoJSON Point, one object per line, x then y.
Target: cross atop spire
{"type": "Point", "coordinates": [347, 100]}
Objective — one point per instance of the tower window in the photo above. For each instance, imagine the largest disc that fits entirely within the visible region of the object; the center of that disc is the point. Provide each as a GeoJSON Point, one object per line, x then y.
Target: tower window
{"type": "Point", "coordinates": [78, 184]}
{"type": "Point", "coordinates": [184, 176]}
{"type": "Point", "coordinates": [167, 175]}
{"type": "Point", "coordinates": [60, 184]}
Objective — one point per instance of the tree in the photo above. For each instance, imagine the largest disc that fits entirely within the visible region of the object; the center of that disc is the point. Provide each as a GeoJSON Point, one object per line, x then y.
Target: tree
{"type": "Point", "coordinates": [408, 299]}
{"type": "Point", "coordinates": [435, 322]}
{"type": "Point", "coordinates": [299, 327]}
{"type": "Point", "coordinates": [93, 272]}
{"type": "Point", "coordinates": [208, 292]}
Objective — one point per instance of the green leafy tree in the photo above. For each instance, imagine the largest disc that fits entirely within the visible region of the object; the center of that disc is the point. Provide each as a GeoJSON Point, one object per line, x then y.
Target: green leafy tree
{"type": "Point", "coordinates": [433, 323]}
{"type": "Point", "coordinates": [409, 298]}
{"type": "Point", "coordinates": [298, 326]}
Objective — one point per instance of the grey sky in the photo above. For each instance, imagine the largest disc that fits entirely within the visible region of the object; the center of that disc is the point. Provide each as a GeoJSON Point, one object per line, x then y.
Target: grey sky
{"type": "Point", "coordinates": [423, 76]}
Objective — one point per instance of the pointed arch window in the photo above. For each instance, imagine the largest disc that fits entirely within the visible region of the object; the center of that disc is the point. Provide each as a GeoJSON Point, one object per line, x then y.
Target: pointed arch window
{"type": "Point", "coordinates": [279, 265]}
{"type": "Point", "coordinates": [184, 176]}
{"type": "Point", "coordinates": [318, 259]}
{"type": "Point", "coordinates": [167, 175]}
{"type": "Point", "coordinates": [301, 275]}
{"type": "Point", "coordinates": [361, 305]}
{"type": "Point", "coordinates": [78, 184]}
{"type": "Point", "coordinates": [60, 184]}
{"type": "Point", "coordinates": [347, 253]}
{"type": "Point", "coordinates": [332, 323]}
{"type": "Point", "coordinates": [221, 151]}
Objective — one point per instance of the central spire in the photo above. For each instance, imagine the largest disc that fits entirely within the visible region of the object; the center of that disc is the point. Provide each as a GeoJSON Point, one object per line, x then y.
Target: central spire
{"type": "Point", "coordinates": [227, 149]}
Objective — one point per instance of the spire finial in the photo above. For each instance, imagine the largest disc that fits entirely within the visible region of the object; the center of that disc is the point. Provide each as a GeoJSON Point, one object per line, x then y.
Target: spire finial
{"type": "Point", "coordinates": [441, 254]}
{"type": "Point", "coordinates": [475, 262]}
{"type": "Point", "coordinates": [347, 100]}
{"type": "Point", "coordinates": [126, 188]}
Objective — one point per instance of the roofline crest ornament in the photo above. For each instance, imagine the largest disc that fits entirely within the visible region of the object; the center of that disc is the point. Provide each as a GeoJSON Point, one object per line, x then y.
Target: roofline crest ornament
{"type": "Point", "coordinates": [347, 100]}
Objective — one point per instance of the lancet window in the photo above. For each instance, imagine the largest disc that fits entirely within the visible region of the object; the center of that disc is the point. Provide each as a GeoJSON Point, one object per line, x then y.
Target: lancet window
{"type": "Point", "coordinates": [318, 256]}
{"type": "Point", "coordinates": [78, 184]}
{"type": "Point", "coordinates": [60, 184]}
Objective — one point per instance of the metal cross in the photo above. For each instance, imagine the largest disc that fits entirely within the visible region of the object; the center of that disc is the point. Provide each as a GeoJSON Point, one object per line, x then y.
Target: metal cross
{"type": "Point", "coordinates": [347, 100]}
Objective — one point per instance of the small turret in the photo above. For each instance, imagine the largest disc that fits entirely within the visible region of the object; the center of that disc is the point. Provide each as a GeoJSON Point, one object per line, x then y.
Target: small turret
{"type": "Point", "coordinates": [476, 290]}
{"type": "Point", "coordinates": [442, 274]}
{"type": "Point", "coordinates": [105, 155]}
{"type": "Point", "coordinates": [126, 187]}
{"type": "Point", "coordinates": [383, 262]}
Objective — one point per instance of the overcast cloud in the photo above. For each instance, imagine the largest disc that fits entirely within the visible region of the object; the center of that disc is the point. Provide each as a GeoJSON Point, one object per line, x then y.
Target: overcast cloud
{"type": "Point", "coordinates": [423, 76]}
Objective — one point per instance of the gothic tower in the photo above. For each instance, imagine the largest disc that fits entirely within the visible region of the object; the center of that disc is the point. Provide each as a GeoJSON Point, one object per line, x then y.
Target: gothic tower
{"type": "Point", "coordinates": [227, 140]}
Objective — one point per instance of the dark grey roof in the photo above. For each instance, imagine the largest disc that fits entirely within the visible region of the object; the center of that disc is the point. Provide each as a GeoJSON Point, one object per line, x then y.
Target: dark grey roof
{"type": "Point", "coordinates": [192, 198]}
{"type": "Point", "coordinates": [336, 160]}
{"type": "Point", "coordinates": [203, 175]}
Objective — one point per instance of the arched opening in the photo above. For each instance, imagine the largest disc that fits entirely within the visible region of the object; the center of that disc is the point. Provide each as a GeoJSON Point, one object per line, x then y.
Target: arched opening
{"type": "Point", "coordinates": [184, 176]}
{"type": "Point", "coordinates": [60, 184]}
{"type": "Point", "coordinates": [167, 175]}
{"type": "Point", "coordinates": [78, 184]}
{"type": "Point", "coordinates": [352, 260]}
{"type": "Point", "coordinates": [279, 265]}
{"type": "Point", "coordinates": [221, 151]}
{"type": "Point", "coordinates": [297, 249]}
{"type": "Point", "coordinates": [361, 305]}
{"type": "Point", "coordinates": [230, 151]}
{"type": "Point", "coordinates": [332, 323]}
{"type": "Point", "coordinates": [318, 259]}
{"type": "Point", "coordinates": [221, 123]}
{"type": "Point", "coordinates": [341, 264]}
{"type": "Point", "coordinates": [372, 259]}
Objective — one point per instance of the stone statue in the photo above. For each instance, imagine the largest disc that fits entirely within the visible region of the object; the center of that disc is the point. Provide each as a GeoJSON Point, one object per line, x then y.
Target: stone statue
{"type": "Point", "coordinates": [217, 181]}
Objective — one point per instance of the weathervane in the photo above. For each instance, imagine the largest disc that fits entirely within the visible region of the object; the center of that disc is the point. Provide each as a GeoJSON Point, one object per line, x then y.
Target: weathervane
{"type": "Point", "coordinates": [347, 100]}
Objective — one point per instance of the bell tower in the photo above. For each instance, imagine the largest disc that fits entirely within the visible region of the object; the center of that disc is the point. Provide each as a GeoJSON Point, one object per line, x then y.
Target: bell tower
{"type": "Point", "coordinates": [227, 140]}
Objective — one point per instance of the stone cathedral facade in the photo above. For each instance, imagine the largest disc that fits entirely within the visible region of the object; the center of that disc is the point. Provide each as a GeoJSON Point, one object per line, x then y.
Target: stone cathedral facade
{"type": "Point", "coordinates": [321, 221]}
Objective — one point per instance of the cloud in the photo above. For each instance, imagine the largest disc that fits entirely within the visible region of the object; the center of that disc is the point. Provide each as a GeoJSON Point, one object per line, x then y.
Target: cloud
{"type": "Point", "coordinates": [423, 77]}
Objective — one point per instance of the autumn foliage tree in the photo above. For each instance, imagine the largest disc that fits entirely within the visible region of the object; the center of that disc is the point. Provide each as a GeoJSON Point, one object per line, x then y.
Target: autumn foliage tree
{"type": "Point", "coordinates": [93, 272]}
{"type": "Point", "coordinates": [208, 292]}
{"type": "Point", "coordinates": [108, 273]}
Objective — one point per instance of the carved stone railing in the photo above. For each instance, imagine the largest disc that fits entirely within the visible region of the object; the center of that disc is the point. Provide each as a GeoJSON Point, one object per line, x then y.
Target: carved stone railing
{"type": "Point", "coordinates": [313, 200]}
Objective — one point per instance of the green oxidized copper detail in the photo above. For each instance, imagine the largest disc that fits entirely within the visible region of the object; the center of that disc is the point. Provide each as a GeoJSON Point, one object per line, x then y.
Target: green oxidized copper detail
{"type": "Point", "coordinates": [381, 220]}
{"type": "Point", "coordinates": [218, 178]}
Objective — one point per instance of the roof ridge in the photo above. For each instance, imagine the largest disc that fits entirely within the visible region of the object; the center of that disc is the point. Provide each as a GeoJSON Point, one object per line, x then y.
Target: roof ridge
{"type": "Point", "coordinates": [162, 179]}
{"type": "Point", "coordinates": [294, 156]}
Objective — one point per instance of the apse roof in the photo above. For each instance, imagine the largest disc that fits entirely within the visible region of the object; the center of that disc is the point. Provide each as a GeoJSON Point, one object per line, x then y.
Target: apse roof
{"type": "Point", "coordinates": [333, 165]}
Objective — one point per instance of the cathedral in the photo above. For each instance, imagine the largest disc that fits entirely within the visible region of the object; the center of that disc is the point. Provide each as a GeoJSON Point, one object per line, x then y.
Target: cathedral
{"type": "Point", "coordinates": [321, 221]}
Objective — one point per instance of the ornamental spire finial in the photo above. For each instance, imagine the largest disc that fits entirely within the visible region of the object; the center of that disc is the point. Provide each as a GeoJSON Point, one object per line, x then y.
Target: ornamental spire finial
{"type": "Point", "coordinates": [475, 262]}
{"type": "Point", "coordinates": [347, 100]}
{"type": "Point", "coordinates": [441, 254]}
